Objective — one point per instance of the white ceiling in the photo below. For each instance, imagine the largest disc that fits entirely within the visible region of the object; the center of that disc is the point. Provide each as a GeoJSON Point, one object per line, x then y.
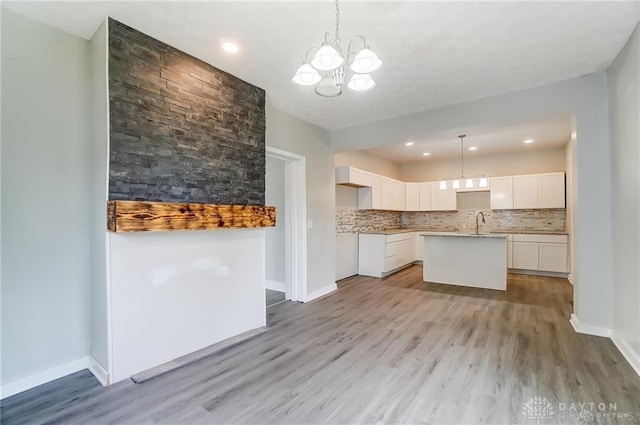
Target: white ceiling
{"type": "Point", "coordinates": [547, 134]}
{"type": "Point", "coordinates": [435, 53]}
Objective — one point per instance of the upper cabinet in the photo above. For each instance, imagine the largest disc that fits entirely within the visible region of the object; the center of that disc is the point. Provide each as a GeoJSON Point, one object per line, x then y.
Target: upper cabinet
{"type": "Point", "coordinates": [443, 199]}
{"type": "Point", "coordinates": [393, 194]}
{"type": "Point", "coordinates": [539, 191]}
{"type": "Point", "coordinates": [551, 190]}
{"type": "Point", "coordinates": [412, 197]}
{"type": "Point", "coordinates": [502, 193]}
{"type": "Point", "coordinates": [378, 192]}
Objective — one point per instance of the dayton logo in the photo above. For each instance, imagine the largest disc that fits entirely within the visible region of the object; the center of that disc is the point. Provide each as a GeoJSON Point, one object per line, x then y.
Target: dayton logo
{"type": "Point", "coordinates": [537, 408]}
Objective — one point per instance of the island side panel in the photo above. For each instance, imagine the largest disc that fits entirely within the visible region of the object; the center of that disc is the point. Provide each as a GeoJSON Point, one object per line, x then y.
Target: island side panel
{"type": "Point", "coordinates": [474, 261]}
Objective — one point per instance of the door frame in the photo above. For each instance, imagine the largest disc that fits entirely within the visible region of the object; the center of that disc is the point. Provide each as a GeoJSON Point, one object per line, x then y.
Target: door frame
{"type": "Point", "coordinates": [295, 219]}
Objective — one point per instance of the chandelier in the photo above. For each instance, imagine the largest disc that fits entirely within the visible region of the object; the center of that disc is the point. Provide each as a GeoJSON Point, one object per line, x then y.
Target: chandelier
{"type": "Point", "coordinates": [468, 179]}
{"type": "Point", "coordinates": [328, 67]}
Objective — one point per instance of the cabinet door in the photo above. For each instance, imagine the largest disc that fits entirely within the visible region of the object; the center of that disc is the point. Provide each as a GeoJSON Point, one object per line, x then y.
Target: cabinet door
{"type": "Point", "coordinates": [387, 193]}
{"type": "Point", "coordinates": [442, 199]}
{"type": "Point", "coordinates": [525, 191]}
{"type": "Point", "coordinates": [553, 257]}
{"type": "Point", "coordinates": [509, 255]}
{"type": "Point", "coordinates": [419, 247]}
{"type": "Point", "coordinates": [406, 252]}
{"type": "Point", "coordinates": [412, 197]}
{"type": "Point", "coordinates": [525, 255]}
{"type": "Point", "coordinates": [425, 197]}
{"type": "Point", "coordinates": [551, 190]}
{"type": "Point", "coordinates": [502, 193]}
{"type": "Point", "coordinates": [399, 195]}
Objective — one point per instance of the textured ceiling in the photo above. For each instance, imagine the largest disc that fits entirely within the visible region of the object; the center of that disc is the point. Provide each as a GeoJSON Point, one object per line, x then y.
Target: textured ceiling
{"type": "Point", "coordinates": [435, 53]}
{"type": "Point", "coordinates": [547, 134]}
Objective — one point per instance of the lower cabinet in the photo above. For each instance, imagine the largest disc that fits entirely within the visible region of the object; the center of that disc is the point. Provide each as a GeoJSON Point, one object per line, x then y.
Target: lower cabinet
{"type": "Point", "coordinates": [379, 255]}
{"type": "Point", "coordinates": [547, 253]}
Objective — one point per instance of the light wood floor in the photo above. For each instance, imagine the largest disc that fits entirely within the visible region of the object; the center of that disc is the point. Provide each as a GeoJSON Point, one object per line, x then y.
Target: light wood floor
{"type": "Point", "coordinates": [394, 350]}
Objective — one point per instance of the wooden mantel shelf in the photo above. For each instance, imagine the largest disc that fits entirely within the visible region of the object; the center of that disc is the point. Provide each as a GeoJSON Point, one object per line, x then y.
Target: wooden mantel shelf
{"type": "Point", "coordinates": [143, 216]}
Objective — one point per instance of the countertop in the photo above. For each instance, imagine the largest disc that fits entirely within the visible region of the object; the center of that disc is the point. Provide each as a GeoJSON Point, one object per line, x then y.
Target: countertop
{"type": "Point", "coordinates": [463, 233]}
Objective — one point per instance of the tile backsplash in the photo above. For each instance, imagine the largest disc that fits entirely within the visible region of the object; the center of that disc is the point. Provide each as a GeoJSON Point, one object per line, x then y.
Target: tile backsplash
{"type": "Point", "coordinates": [350, 220]}
{"type": "Point", "coordinates": [539, 219]}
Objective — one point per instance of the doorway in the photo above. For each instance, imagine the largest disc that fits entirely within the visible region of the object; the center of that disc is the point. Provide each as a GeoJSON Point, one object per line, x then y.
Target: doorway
{"type": "Point", "coordinates": [286, 243]}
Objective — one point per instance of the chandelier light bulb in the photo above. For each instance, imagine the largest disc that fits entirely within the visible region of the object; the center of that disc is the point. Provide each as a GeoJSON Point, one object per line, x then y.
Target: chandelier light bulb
{"type": "Point", "coordinates": [365, 62]}
{"type": "Point", "coordinates": [327, 59]}
{"type": "Point", "coordinates": [456, 184]}
{"type": "Point", "coordinates": [328, 88]}
{"type": "Point", "coordinates": [306, 75]}
{"type": "Point", "coordinates": [361, 83]}
{"type": "Point", "coordinates": [469, 184]}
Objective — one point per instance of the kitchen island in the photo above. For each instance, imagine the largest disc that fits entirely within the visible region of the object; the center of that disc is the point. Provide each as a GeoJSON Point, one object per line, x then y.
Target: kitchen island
{"type": "Point", "coordinates": [478, 261]}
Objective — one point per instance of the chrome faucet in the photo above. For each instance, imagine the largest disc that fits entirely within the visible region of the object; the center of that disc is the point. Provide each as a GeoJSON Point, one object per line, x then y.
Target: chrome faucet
{"type": "Point", "coordinates": [479, 213]}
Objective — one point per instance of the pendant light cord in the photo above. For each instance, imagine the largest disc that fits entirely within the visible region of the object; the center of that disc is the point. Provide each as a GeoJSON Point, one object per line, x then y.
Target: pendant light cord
{"type": "Point", "coordinates": [462, 154]}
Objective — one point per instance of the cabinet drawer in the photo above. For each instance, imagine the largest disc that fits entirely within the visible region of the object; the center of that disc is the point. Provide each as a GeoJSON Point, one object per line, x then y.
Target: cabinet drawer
{"type": "Point", "coordinates": [400, 237]}
{"type": "Point", "coordinates": [540, 238]}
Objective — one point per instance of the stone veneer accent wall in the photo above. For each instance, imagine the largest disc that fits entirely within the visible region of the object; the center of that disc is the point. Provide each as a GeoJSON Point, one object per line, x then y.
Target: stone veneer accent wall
{"type": "Point", "coordinates": [181, 130]}
{"type": "Point", "coordinates": [351, 220]}
{"type": "Point", "coordinates": [547, 219]}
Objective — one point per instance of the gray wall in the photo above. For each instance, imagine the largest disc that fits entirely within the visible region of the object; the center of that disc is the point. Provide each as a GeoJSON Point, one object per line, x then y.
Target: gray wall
{"type": "Point", "coordinates": [274, 236]}
{"type": "Point", "coordinates": [300, 137]}
{"type": "Point", "coordinates": [624, 107]}
{"type": "Point", "coordinates": [181, 130]}
{"type": "Point", "coordinates": [45, 188]}
{"type": "Point", "coordinates": [99, 172]}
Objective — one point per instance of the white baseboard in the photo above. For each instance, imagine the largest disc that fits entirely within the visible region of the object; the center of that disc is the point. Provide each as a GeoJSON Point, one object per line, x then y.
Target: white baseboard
{"type": "Point", "coordinates": [583, 328]}
{"type": "Point", "coordinates": [627, 352]}
{"type": "Point", "coordinates": [570, 278]}
{"type": "Point", "coordinates": [43, 377]}
{"type": "Point", "coordinates": [99, 372]}
{"type": "Point", "coordinates": [321, 292]}
{"type": "Point", "coordinates": [275, 285]}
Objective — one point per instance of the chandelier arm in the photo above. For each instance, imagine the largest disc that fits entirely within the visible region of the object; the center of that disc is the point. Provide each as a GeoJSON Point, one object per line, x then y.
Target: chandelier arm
{"type": "Point", "coordinates": [357, 37]}
{"type": "Point", "coordinates": [306, 56]}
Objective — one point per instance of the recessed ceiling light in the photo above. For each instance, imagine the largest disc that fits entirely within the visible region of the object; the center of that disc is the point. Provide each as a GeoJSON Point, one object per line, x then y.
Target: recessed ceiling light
{"type": "Point", "coordinates": [473, 148]}
{"type": "Point", "coordinates": [230, 47]}
{"type": "Point", "coordinates": [426, 154]}
{"type": "Point", "coordinates": [526, 142]}
{"type": "Point", "coordinates": [409, 144]}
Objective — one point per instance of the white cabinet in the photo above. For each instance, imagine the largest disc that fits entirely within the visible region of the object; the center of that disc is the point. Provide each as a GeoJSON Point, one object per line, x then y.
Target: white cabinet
{"type": "Point", "coordinates": [351, 176]}
{"type": "Point", "coordinates": [539, 191]}
{"type": "Point", "coordinates": [393, 194]}
{"type": "Point", "coordinates": [547, 253]}
{"type": "Point", "coordinates": [525, 191]}
{"type": "Point", "coordinates": [509, 254]}
{"type": "Point", "coordinates": [502, 193]}
{"type": "Point", "coordinates": [419, 247]}
{"type": "Point", "coordinates": [412, 197]}
{"type": "Point", "coordinates": [370, 197]}
{"type": "Point", "coordinates": [425, 196]}
{"type": "Point", "coordinates": [551, 190]}
{"type": "Point", "coordinates": [380, 255]}
{"type": "Point", "coordinates": [553, 257]}
{"type": "Point", "coordinates": [442, 199]}
{"type": "Point", "coordinates": [525, 255]}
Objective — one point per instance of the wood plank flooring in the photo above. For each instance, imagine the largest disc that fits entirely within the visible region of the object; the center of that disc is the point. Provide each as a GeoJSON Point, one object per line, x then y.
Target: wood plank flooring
{"type": "Point", "coordinates": [384, 351]}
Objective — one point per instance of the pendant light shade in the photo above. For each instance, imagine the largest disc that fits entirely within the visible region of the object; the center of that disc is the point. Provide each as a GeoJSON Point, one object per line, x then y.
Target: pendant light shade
{"type": "Point", "coordinates": [456, 184]}
{"type": "Point", "coordinates": [483, 182]}
{"type": "Point", "coordinates": [306, 75]}
{"type": "Point", "coordinates": [361, 83]}
{"type": "Point", "coordinates": [365, 62]}
{"type": "Point", "coordinates": [327, 59]}
{"type": "Point", "coordinates": [469, 184]}
{"type": "Point", "coordinates": [328, 88]}
{"type": "Point", "coordinates": [443, 184]}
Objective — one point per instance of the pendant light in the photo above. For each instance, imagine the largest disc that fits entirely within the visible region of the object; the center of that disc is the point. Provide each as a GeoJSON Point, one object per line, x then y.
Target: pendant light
{"type": "Point", "coordinates": [468, 181]}
{"type": "Point", "coordinates": [326, 70]}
